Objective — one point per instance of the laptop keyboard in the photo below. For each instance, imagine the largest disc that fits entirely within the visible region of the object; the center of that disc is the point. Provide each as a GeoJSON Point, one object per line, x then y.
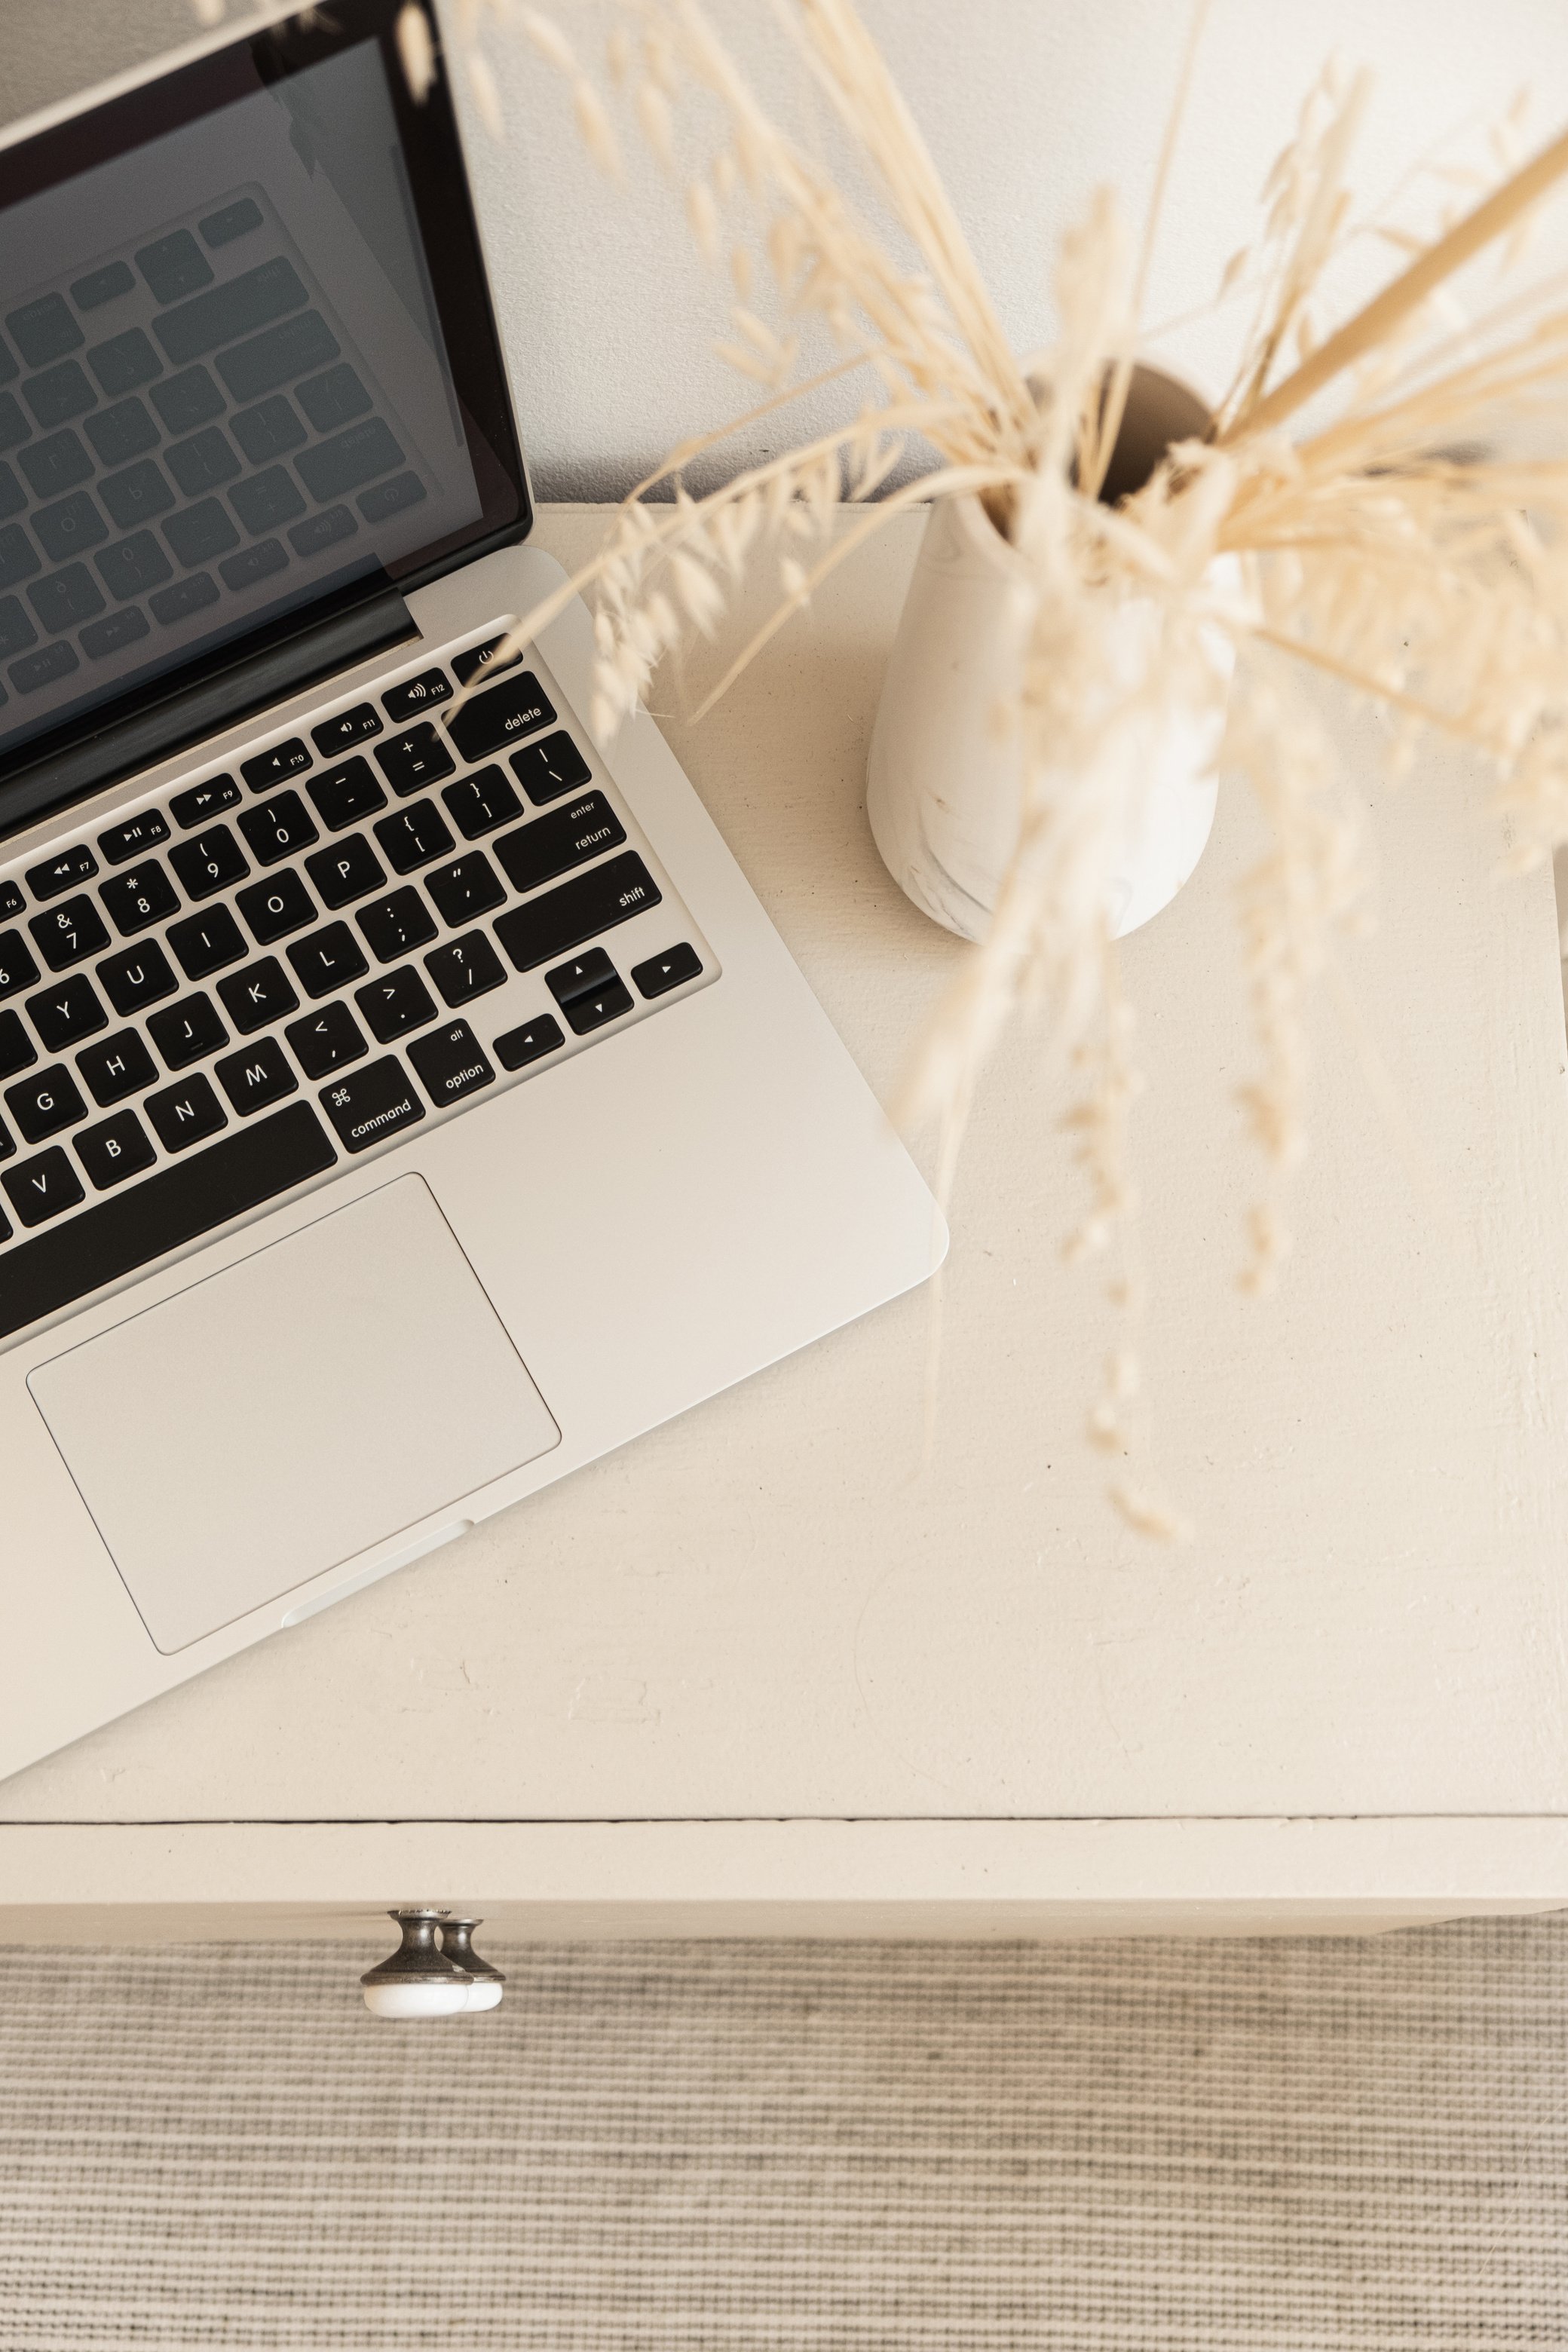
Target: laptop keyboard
{"type": "Point", "coordinates": [186, 435]}
{"type": "Point", "coordinates": [266, 972]}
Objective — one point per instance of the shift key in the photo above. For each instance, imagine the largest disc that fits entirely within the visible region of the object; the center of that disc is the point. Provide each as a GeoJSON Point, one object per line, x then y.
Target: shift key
{"type": "Point", "coordinates": [561, 920]}
{"type": "Point", "coordinates": [371, 1104]}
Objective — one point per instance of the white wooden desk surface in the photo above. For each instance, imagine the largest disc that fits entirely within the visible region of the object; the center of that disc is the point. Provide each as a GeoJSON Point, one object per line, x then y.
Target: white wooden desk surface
{"type": "Point", "coordinates": [1344, 1701]}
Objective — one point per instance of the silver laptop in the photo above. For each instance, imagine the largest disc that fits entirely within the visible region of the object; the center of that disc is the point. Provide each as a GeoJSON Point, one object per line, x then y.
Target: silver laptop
{"type": "Point", "coordinates": [403, 1097]}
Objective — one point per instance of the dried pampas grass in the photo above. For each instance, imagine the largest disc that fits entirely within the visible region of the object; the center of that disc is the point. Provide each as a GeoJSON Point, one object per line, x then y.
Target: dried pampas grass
{"type": "Point", "coordinates": [1402, 542]}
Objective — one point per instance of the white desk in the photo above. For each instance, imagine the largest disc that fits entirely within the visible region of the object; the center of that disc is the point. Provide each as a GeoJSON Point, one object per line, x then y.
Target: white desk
{"type": "Point", "coordinates": [764, 1669]}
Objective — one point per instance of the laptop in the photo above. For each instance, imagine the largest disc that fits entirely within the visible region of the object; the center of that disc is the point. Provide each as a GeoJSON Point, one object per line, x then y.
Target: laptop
{"type": "Point", "coordinates": [404, 1100]}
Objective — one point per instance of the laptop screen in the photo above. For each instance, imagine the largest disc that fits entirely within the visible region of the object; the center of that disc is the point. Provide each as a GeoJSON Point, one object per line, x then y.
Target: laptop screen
{"type": "Point", "coordinates": [231, 393]}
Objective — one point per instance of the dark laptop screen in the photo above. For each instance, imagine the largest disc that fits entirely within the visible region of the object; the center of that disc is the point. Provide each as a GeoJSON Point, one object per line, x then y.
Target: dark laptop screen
{"type": "Point", "coordinates": [227, 391]}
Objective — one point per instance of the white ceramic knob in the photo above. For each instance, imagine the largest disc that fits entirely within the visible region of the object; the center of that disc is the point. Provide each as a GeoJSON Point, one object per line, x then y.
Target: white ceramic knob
{"type": "Point", "coordinates": [410, 2000]}
{"type": "Point", "coordinates": [419, 1980]}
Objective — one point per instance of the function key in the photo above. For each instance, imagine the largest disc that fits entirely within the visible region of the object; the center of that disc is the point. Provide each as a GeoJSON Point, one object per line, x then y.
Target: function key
{"type": "Point", "coordinates": [501, 716]}
{"type": "Point", "coordinates": [547, 770]}
{"type": "Point", "coordinates": [269, 768]}
{"type": "Point", "coordinates": [62, 872]}
{"type": "Point", "coordinates": [414, 757]}
{"type": "Point", "coordinates": [12, 900]}
{"type": "Point", "coordinates": [669, 970]}
{"type": "Point", "coordinates": [416, 693]}
{"type": "Point", "coordinates": [343, 795]}
{"type": "Point", "coordinates": [135, 835]}
{"type": "Point", "coordinates": [349, 726]}
{"type": "Point", "coordinates": [535, 1037]}
{"type": "Point", "coordinates": [481, 657]}
{"type": "Point", "coordinates": [201, 801]}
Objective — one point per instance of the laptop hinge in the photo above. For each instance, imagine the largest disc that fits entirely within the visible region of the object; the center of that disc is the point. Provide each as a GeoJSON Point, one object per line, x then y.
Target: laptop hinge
{"type": "Point", "coordinates": [209, 707]}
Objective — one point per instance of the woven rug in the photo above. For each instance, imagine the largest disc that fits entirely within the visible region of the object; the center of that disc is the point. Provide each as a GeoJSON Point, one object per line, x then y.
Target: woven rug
{"type": "Point", "coordinates": [1340, 2147]}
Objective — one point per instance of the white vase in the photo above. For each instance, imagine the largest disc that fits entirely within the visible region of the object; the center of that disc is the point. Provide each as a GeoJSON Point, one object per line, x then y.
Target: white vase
{"type": "Point", "coordinates": [944, 784]}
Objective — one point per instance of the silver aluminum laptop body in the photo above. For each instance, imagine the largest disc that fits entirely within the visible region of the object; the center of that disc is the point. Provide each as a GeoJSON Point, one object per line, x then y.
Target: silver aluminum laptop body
{"type": "Point", "coordinates": [399, 1109]}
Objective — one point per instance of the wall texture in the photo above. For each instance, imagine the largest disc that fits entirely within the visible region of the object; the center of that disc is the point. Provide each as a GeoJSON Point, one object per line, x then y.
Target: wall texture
{"type": "Point", "coordinates": [1026, 104]}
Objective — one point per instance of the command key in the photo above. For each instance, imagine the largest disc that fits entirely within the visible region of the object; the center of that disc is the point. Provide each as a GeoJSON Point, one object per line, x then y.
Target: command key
{"type": "Point", "coordinates": [372, 1103]}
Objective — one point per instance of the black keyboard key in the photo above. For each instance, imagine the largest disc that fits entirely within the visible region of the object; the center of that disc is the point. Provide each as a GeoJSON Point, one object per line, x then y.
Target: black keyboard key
{"type": "Point", "coordinates": [266, 501]}
{"type": "Point", "coordinates": [256, 1078]}
{"type": "Point", "coordinates": [328, 959]}
{"type": "Point", "coordinates": [42, 1188]}
{"type": "Point", "coordinates": [345, 870]}
{"type": "Point", "coordinates": [563, 917]}
{"type": "Point", "coordinates": [131, 1229]}
{"type": "Point", "coordinates": [414, 759]}
{"type": "Point", "coordinates": [662, 973]}
{"type": "Point", "coordinates": [499, 716]}
{"type": "Point", "coordinates": [17, 968]}
{"type": "Point", "coordinates": [548, 770]}
{"type": "Point", "coordinates": [482, 657]}
{"type": "Point", "coordinates": [481, 802]}
{"type": "Point", "coordinates": [275, 765]}
{"type": "Point", "coordinates": [11, 899]}
{"type": "Point", "coordinates": [113, 1150]}
{"type": "Point", "coordinates": [63, 871]}
{"type": "Point", "coordinates": [254, 564]}
{"type": "Point", "coordinates": [465, 968]}
{"type": "Point", "coordinates": [348, 728]}
{"type": "Point", "coordinates": [136, 978]}
{"type": "Point", "coordinates": [61, 391]}
{"type": "Point", "coordinates": [19, 559]}
{"type": "Point", "coordinates": [66, 598]}
{"type": "Point", "coordinates": [65, 934]}
{"type": "Point", "coordinates": [175, 265]}
{"type": "Point", "coordinates": [234, 220]}
{"type": "Point", "coordinates": [43, 668]}
{"type": "Point", "coordinates": [122, 362]}
{"type": "Point", "coordinates": [259, 995]}
{"type": "Point", "coordinates": [396, 1002]}
{"type": "Point", "coordinates": [278, 828]}
{"type": "Point", "coordinates": [68, 527]}
{"type": "Point", "coordinates": [194, 805]}
{"type": "Point", "coordinates": [276, 908]}
{"type": "Point", "coordinates": [187, 1031]}
{"type": "Point", "coordinates": [101, 286]}
{"type": "Point", "coordinates": [116, 1066]}
{"type": "Point", "coordinates": [468, 886]}
{"type": "Point", "coordinates": [207, 942]}
{"type": "Point", "coordinates": [580, 977]}
{"type": "Point", "coordinates": [67, 1013]}
{"type": "Point", "coordinates": [372, 1104]}
{"type": "Point", "coordinates": [450, 1062]}
{"type": "Point", "coordinates": [121, 433]}
{"type": "Point", "coordinates": [16, 1048]}
{"type": "Point", "coordinates": [524, 1044]}
{"type": "Point", "coordinates": [187, 400]}
{"type": "Point", "coordinates": [134, 566]}
{"type": "Point", "coordinates": [197, 534]}
{"type": "Point", "coordinates": [145, 895]}
{"type": "Point", "coordinates": [343, 795]}
{"type": "Point", "coordinates": [236, 308]}
{"type": "Point", "coordinates": [15, 629]}
{"type": "Point", "coordinates": [14, 426]}
{"type": "Point", "coordinates": [138, 494]}
{"type": "Point", "coordinates": [46, 1102]}
{"type": "Point", "coordinates": [269, 430]}
{"type": "Point", "coordinates": [333, 399]}
{"type": "Point", "coordinates": [186, 597]}
{"type": "Point", "coordinates": [214, 859]}
{"type": "Point", "coordinates": [185, 1114]}
{"type": "Point", "coordinates": [413, 836]}
{"type": "Point", "coordinates": [592, 1011]}
{"type": "Point", "coordinates": [112, 634]}
{"type": "Point", "coordinates": [394, 925]}
{"type": "Point", "coordinates": [322, 531]}
{"type": "Point", "coordinates": [325, 1040]}
{"type": "Point", "coordinates": [132, 835]}
{"type": "Point", "coordinates": [552, 845]}
{"type": "Point", "coordinates": [279, 355]}
{"type": "Point", "coordinates": [388, 498]}
{"type": "Point", "coordinates": [416, 693]}
{"type": "Point", "coordinates": [45, 329]}
{"type": "Point", "coordinates": [55, 464]}
{"type": "Point", "coordinates": [359, 455]}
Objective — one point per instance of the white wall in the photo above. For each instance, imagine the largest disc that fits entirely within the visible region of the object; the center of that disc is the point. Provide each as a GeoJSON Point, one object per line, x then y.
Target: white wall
{"type": "Point", "coordinates": [1025, 103]}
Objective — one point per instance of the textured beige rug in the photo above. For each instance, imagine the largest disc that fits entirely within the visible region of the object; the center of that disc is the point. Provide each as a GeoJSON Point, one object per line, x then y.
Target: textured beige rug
{"type": "Point", "coordinates": [1141, 2146]}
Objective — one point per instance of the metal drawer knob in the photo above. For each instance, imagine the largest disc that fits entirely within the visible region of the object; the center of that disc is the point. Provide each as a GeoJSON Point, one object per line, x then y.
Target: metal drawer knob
{"type": "Point", "coordinates": [435, 1972]}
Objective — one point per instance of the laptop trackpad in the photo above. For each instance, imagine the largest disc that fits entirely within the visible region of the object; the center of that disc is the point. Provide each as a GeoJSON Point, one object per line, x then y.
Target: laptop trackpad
{"type": "Point", "coordinates": [281, 1416]}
